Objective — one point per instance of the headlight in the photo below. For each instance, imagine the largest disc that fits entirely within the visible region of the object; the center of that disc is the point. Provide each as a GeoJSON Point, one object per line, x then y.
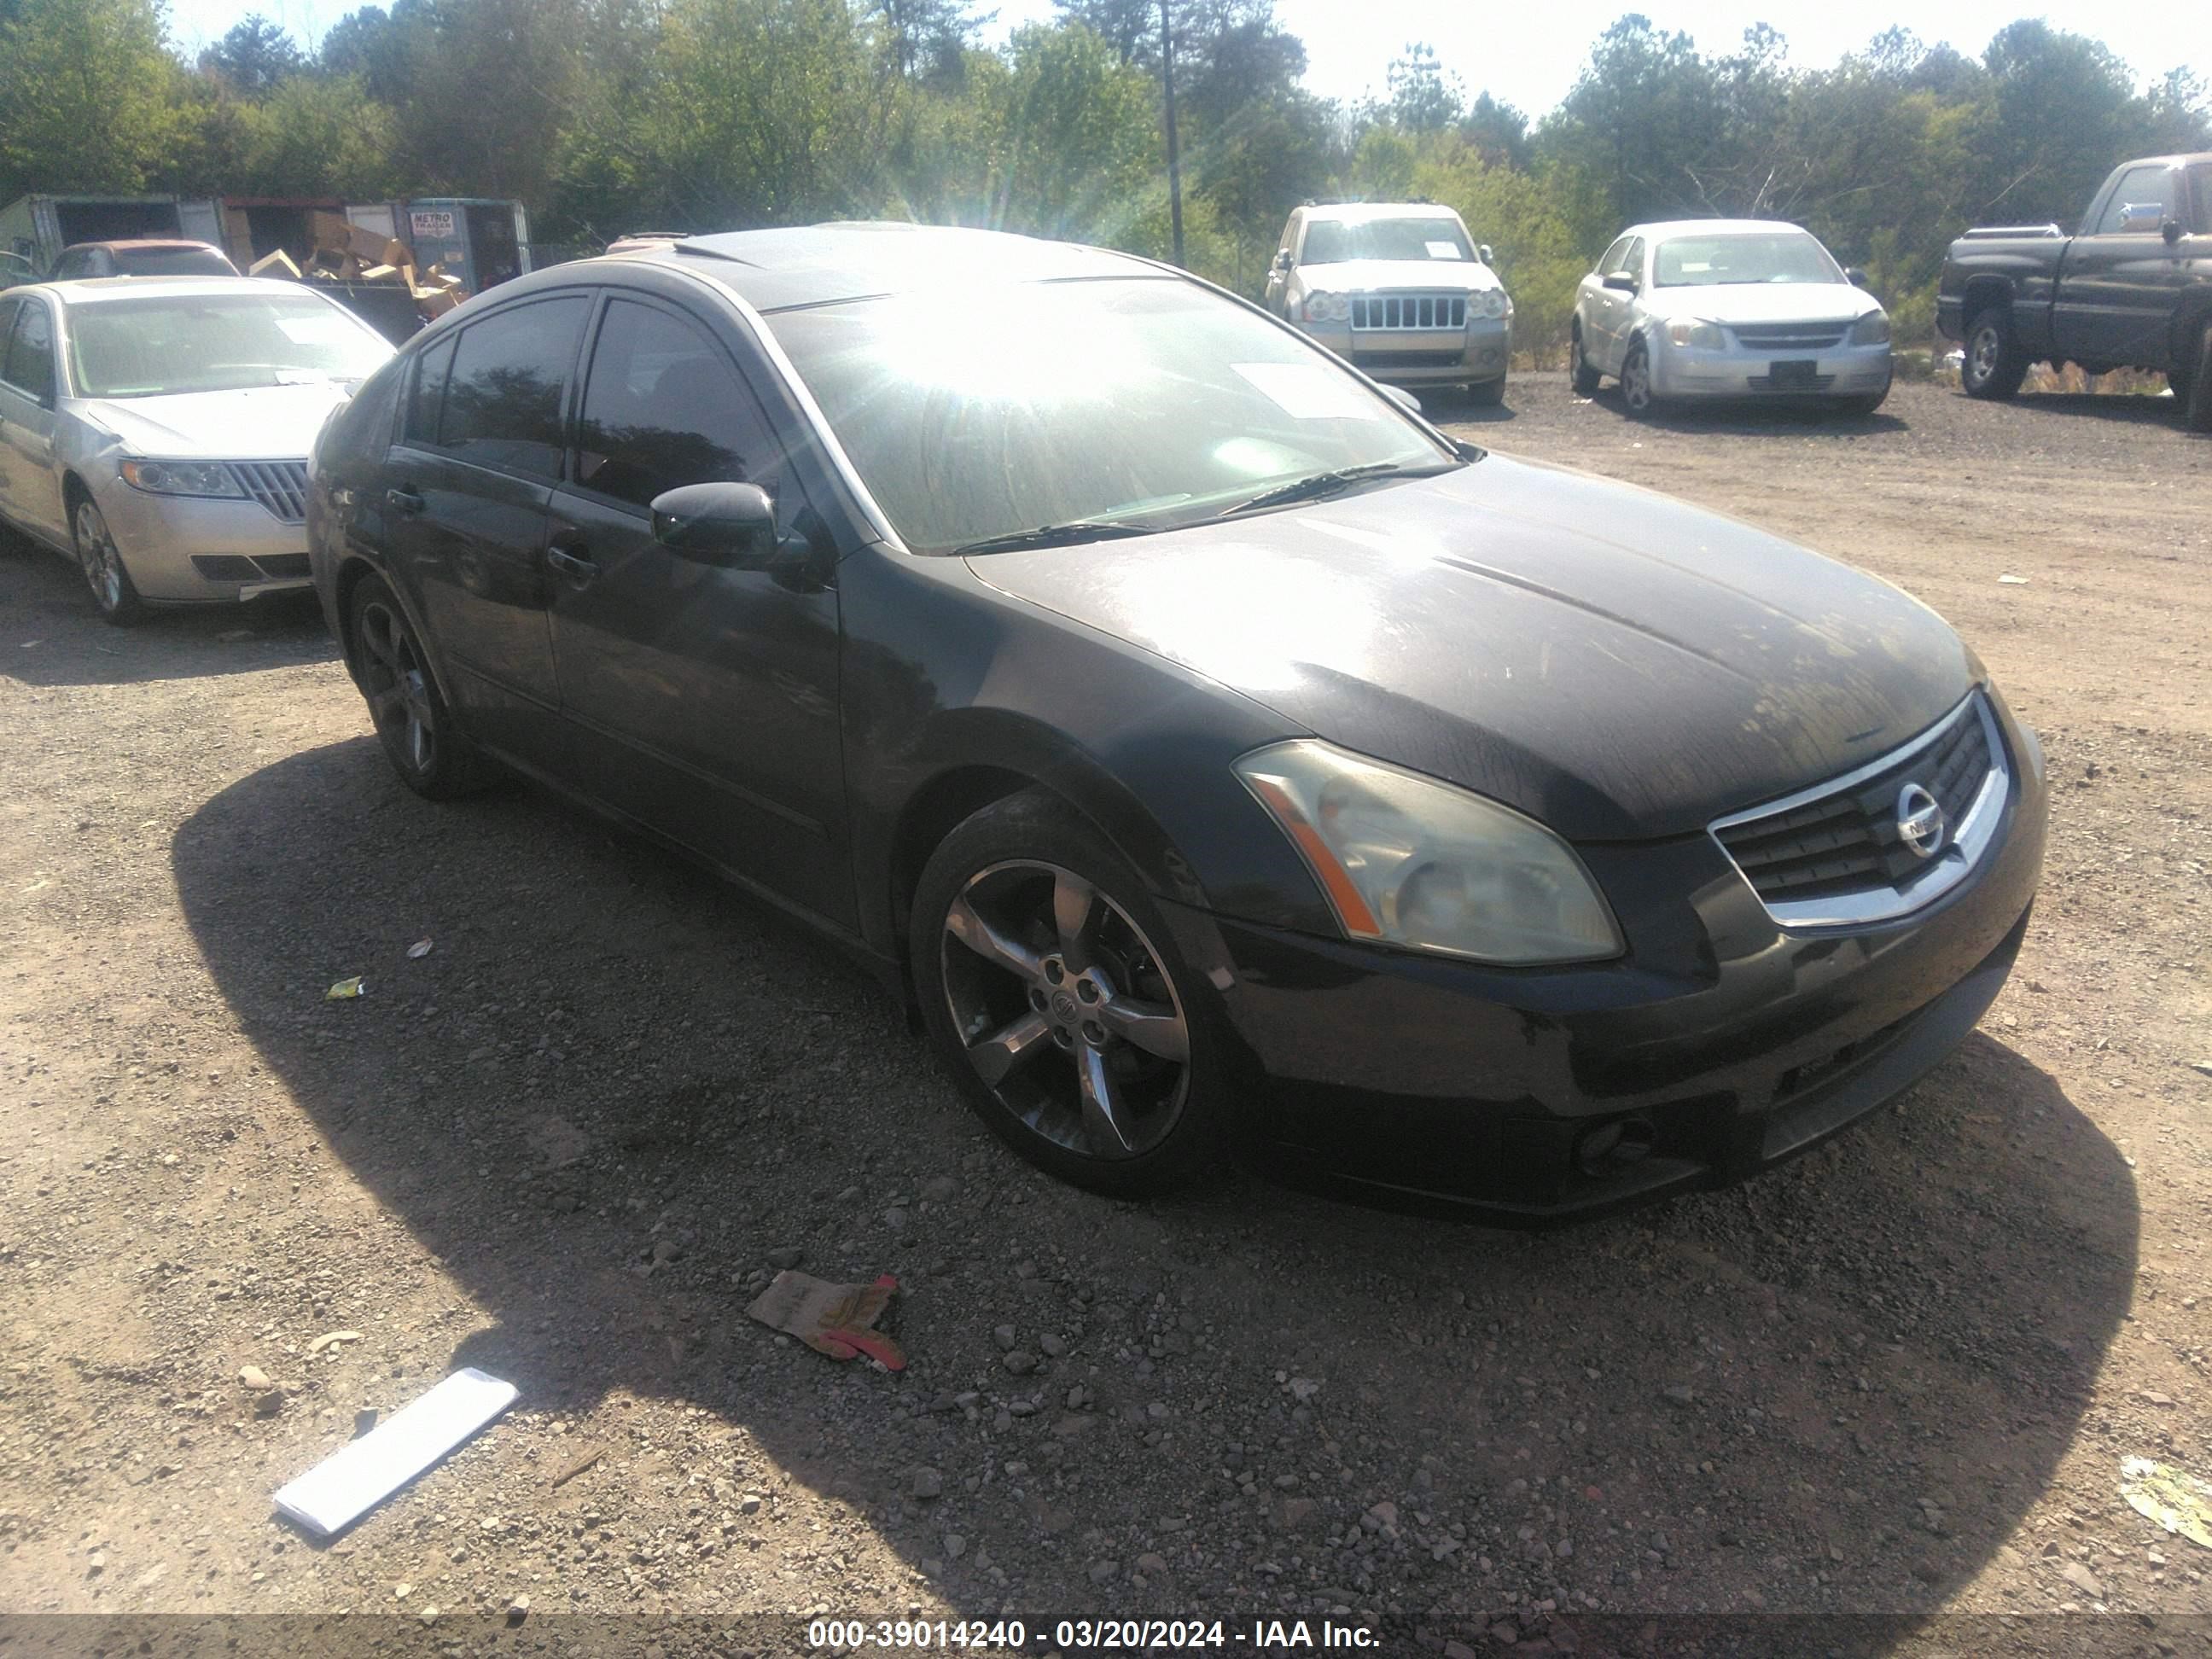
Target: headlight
{"type": "Point", "coordinates": [1325, 308]}
{"type": "Point", "coordinates": [1698, 337]}
{"type": "Point", "coordinates": [181, 477]}
{"type": "Point", "coordinates": [1410, 861]}
{"type": "Point", "coordinates": [1490, 304]}
{"type": "Point", "coordinates": [1873, 329]}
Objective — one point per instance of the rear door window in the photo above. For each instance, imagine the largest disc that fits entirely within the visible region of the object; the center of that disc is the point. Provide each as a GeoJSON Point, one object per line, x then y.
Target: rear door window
{"type": "Point", "coordinates": [509, 386]}
{"type": "Point", "coordinates": [29, 366]}
{"type": "Point", "coordinates": [664, 406]}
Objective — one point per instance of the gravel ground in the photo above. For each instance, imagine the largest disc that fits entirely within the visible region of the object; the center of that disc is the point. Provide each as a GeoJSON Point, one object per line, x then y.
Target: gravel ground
{"type": "Point", "coordinates": [566, 1145]}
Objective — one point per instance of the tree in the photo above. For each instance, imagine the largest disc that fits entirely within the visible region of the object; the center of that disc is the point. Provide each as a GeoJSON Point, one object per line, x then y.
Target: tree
{"type": "Point", "coordinates": [929, 40]}
{"type": "Point", "coordinates": [88, 95]}
{"type": "Point", "coordinates": [1498, 132]}
{"type": "Point", "coordinates": [1423, 97]}
{"type": "Point", "coordinates": [380, 47]}
{"type": "Point", "coordinates": [255, 58]}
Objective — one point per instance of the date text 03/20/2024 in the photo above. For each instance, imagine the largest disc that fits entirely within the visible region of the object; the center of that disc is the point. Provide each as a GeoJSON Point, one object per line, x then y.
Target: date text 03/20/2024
{"type": "Point", "coordinates": [1012, 1636]}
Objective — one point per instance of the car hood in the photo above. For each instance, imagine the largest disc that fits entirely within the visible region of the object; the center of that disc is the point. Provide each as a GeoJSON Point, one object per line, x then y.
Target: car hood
{"type": "Point", "coordinates": [1616, 663]}
{"type": "Point", "coordinates": [1763, 302]}
{"type": "Point", "coordinates": [1352, 276]}
{"type": "Point", "coordinates": [276, 422]}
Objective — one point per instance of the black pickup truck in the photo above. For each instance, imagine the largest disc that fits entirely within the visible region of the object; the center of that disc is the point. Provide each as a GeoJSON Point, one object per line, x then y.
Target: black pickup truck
{"type": "Point", "coordinates": [2133, 290]}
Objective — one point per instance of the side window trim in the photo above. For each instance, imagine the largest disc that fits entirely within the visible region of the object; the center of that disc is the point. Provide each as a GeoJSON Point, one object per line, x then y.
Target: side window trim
{"type": "Point", "coordinates": [28, 306]}
{"type": "Point", "coordinates": [407, 435]}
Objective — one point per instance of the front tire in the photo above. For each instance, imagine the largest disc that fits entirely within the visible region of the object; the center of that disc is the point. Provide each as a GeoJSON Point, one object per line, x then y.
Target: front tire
{"type": "Point", "coordinates": [1578, 365]}
{"type": "Point", "coordinates": [420, 738]}
{"type": "Point", "coordinates": [1488, 394]}
{"type": "Point", "coordinates": [1994, 365]}
{"type": "Point", "coordinates": [1635, 395]}
{"type": "Point", "coordinates": [101, 561]}
{"type": "Point", "coordinates": [1050, 985]}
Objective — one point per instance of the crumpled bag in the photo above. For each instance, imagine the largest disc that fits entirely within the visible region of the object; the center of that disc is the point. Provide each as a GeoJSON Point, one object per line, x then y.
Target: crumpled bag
{"type": "Point", "coordinates": [2178, 1501]}
{"type": "Point", "coordinates": [837, 1320]}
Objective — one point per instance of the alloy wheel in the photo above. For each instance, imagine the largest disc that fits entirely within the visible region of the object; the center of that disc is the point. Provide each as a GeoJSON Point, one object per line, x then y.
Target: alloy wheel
{"type": "Point", "coordinates": [100, 560]}
{"type": "Point", "coordinates": [1635, 380]}
{"type": "Point", "coordinates": [397, 685]}
{"type": "Point", "coordinates": [1066, 1010]}
{"type": "Point", "coordinates": [1981, 356]}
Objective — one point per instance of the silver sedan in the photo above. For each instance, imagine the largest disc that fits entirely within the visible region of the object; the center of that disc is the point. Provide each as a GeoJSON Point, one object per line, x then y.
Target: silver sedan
{"type": "Point", "coordinates": [1753, 309]}
{"type": "Point", "coordinates": [155, 431]}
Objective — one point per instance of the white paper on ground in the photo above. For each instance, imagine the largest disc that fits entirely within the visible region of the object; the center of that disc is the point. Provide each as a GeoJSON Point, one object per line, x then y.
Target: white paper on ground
{"type": "Point", "coordinates": [355, 1479]}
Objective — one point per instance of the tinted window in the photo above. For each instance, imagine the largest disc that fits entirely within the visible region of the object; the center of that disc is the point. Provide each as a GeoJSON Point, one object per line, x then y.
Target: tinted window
{"type": "Point", "coordinates": [509, 377]}
{"type": "Point", "coordinates": [427, 391]}
{"type": "Point", "coordinates": [30, 366]}
{"type": "Point", "coordinates": [173, 262]}
{"type": "Point", "coordinates": [664, 407]}
{"type": "Point", "coordinates": [2141, 187]}
{"type": "Point", "coordinates": [68, 265]}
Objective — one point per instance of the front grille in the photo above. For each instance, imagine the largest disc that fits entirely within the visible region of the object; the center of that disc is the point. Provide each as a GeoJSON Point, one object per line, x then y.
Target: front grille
{"type": "Point", "coordinates": [1844, 843]}
{"type": "Point", "coordinates": [1407, 358]}
{"type": "Point", "coordinates": [1789, 336]}
{"type": "Point", "coordinates": [1383, 310]}
{"type": "Point", "coordinates": [1806, 383]}
{"type": "Point", "coordinates": [280, 486]}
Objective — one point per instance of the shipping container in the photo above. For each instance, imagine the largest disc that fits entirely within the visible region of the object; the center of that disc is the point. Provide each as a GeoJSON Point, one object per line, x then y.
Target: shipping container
{"type": "Point", "coordinates": [37, 228]}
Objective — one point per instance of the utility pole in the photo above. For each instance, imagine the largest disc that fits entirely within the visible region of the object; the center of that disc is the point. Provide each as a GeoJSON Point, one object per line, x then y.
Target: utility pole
{"type": "Point", "coordinates": [1175, 161]}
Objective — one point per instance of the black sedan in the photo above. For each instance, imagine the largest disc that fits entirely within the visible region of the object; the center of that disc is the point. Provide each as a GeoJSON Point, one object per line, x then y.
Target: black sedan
{"type": "Point", "coordinates": [1216, 754]}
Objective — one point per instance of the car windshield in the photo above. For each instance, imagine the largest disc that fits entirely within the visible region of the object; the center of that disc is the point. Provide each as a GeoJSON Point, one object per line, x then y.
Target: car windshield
{"type": "Point", "coordinates": [160, 346]}
{"type": "Point", "coordinates": [172, 262]}
{"type": "Point", "coordinates": [985, 412]}
{"type": "Point", "coordinates": [1333, 241]}
{"type": "Point", "coordinates": [1705, 261]}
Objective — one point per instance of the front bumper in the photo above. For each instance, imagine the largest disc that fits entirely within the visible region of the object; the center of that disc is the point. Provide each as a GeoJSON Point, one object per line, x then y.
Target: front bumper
{"type": "Point", "coordinates": [1721, 1043]}
{"type": "Point", "coordinates": [186, 549]}
{"type": "Point", "coordinates": [1478, 352]}
{"type": "Point", "coordinates": [1684, 372]}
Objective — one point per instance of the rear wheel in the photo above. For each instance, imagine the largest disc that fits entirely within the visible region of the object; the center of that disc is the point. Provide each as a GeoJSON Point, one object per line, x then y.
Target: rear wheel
{"type": "Point", "coordinates": [2197, 393]}
{"type": "Point", "coordinates": [1585, 376]}
{"type": "Point", "coordinates": [1636, 380]}
{"type": "Point", "coordinates": [1051, 986]}
{"type": "Point", "coordinates": [100, 561]}
{"type": "Point", "coordinates": [420, 738]}
{"type": "Point", "coordinates": [1994, 365]}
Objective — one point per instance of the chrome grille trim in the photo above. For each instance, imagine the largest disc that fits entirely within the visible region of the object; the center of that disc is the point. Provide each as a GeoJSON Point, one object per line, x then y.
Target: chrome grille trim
{"type": "Point", "coordinates": [280, 486]}
{"type": "Point", "coordinates": [1789, 336]}
{"type": "Point", "coordinates": [1372, 312]}
{"type": "Point", "coordinates": [1972, 832]}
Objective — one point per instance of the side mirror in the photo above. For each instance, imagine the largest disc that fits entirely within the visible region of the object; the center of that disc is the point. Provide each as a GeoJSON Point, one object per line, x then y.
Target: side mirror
{"type": "Point", "coordinates": [1856, 275]}
{"type": "Point", "coordinates": [722, 524]}
{"type": "Point", "coordinates": [1282, 260]}
{"type": "Point", "coordinates": [1482, 252]}
{"type": "Point", "coordinates": [1619, 281]}
{"type": "Point", "coordinates": [1405, 400]}
{"type": "Point", "coordinates": [2172, 231]}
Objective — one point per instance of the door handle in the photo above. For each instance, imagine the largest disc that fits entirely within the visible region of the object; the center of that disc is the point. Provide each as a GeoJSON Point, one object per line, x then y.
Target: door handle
{"type": "Point", "coordinates": [404, 500]}
{"type": "Point", "coordinates": [578, 570]}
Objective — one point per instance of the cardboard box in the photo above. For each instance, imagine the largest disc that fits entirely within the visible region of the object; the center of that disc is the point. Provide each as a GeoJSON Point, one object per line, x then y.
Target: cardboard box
{"type": "Point", "coordinates": [365, 244]}
{"type": "Point", "coordinates": [278, 264]}
{"type": "Point", "coordinates": [332, 231]}
{"type": "Point", "coordinates": [435, 302]}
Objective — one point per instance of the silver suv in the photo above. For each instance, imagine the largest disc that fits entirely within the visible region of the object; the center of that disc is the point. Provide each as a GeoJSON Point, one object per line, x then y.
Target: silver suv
{"type": "Point", "coordinates": [1399, 287]}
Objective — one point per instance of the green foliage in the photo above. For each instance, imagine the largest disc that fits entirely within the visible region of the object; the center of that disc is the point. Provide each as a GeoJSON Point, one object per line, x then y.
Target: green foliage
{"type": "Point", "coordinates": [88, 97]}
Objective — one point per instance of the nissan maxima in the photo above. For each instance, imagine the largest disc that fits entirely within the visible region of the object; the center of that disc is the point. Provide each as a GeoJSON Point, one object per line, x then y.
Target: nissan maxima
{"type": "Point", "coordinates": [1745, 309]}
{"type": "Point", "coordinates": [1218, 756]}
{"type": "Point", "coordinates": [155, 430]}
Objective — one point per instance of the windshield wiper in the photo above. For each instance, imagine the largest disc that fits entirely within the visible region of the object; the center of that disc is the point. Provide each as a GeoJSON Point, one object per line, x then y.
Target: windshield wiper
{"type": "Point", "coordinates": [1054, 535]}
{"type": "Point", "coordinates": [1327, 483]}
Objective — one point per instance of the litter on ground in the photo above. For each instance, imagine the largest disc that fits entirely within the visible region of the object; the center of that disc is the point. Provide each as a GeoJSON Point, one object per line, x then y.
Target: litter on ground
{"type": "Point", "coordinates": [837, 1320]}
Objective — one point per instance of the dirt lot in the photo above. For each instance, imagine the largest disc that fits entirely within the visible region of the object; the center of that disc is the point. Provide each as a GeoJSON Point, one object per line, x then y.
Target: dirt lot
{"type": "Point", "coordinates": [1898, 1378]}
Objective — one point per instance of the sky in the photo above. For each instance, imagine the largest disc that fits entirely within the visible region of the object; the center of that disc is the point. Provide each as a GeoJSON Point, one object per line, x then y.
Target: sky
{"type": "Point", "coordinates": [1529, 54]}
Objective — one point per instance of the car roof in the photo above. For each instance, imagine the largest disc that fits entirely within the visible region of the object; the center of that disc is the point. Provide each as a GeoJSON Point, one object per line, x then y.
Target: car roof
{"type": "Point", "coordinates": [1353, 211]}
{"type": "Point", "coordinates": [140, 244]}
{"type": "Point", "coordinates": [1665, 227]}
{"type": "Point", "coordinates": [94, 290]}
{"type": "Point", "coordinates": [819, 265]}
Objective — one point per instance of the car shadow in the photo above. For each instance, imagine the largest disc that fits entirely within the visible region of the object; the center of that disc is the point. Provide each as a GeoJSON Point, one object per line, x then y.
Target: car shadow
{"type": "Point", "coordinates": [613, 1087]}
{"type": "Point", "coordinates": [50, 636]}
{"type": "Point", "coordinates": [1744, 419]}
{"type": "Point", "coordinates": [2133, 409]}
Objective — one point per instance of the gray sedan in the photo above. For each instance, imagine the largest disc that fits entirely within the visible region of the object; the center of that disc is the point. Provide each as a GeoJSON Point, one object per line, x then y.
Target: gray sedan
{"type": "Point", "coordinates": [1737, 308]}
{"type": "Point", "coordinates": [155, 430]}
